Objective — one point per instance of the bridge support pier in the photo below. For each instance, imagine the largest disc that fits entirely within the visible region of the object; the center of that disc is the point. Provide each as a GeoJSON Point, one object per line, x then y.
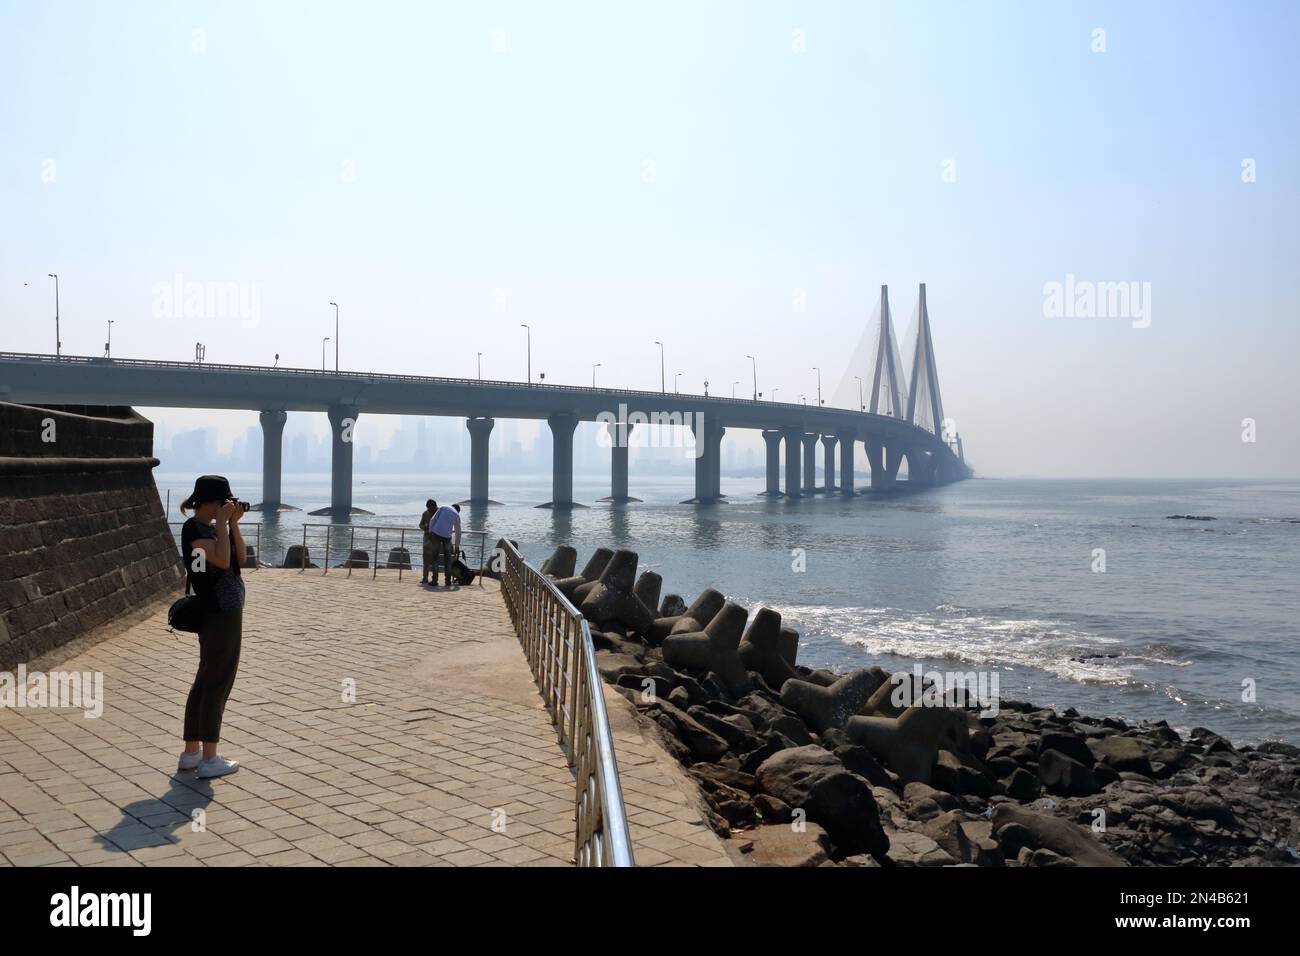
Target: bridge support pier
{"type": "Point", "coordinates": [793, 443]}
{"type": "Point", "coordinates": [480, 431]}
{"type": "Point", "coordinates": [847, 441]}
{"type": "Point", "coordinates": [948, 470]}
{"type": "Point", "coordinates": [810, 464]}
{"type": "Point", "coordinates": [715, 463]}
{"type": "Point", "coordinates": [562, 428]}
{"type": "Point", "coordinates": [828, 468]}
{"type": "Point", "coordinates": [773, 440]}
{"type": "Point", "coordinates": [708, 446]}
{"type": "Point", "coordinates": [272, 461]}
{"type": "Point", "coordinates": [343, 420]}
{"type": "Point", "coordinates": [619, 434]}
{"type": "Point", "coordinates": [884, 462]}
{"type": "Point", "coordinates": [921, 469]}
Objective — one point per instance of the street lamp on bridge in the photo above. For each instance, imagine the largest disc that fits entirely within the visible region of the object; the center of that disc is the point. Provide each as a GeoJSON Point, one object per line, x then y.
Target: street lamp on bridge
{"type": "Point", "coordinates": [754, 365]}
{"type": "Point", "coordinates": [663, 384]}
{"type": "Point", "coordinates": [819, 386]}
{"type": "Point", "coordinates": [108, 345]}
{"type": "Point", "coordinates": [524, 325]}
{"type": "Point", "coordinates": [862, 406]}
{"type": "Point", "coordinates": [593, 374]}
{"type": "Point", "coordinates": [675, 378]}
{"type": "Point", "coordinates": [480, 366]}
{"type": "Point", "coordinates": [733, 389]}
{"type": "Point", "coordinates": [336, 339]}
{"type": "Point", "coordinates": [322, 352]}
{"type": "Point", "coordinates": [58, 343]}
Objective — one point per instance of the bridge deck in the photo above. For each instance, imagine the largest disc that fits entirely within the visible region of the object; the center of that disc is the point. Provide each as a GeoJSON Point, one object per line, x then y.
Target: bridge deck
{"type": "Point", "coordinates": [447, 737]}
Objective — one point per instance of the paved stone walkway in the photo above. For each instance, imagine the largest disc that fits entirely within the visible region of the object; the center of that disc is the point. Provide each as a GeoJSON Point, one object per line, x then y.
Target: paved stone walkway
{"type": "Point", "coordinates": [446, 757]}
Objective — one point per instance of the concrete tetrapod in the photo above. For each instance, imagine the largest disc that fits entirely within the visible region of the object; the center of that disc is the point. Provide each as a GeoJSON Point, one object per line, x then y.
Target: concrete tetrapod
{"type": "Point", "coordinates": [761, 649]}
{"type": "Point", "coordinates": [671, 606]}
{"type": "Point", "coordinates": [589, 574]}
{"type": "Point", "coordinates": [789, 645]}
{"type": "Point", "coordinates": [909, 744]}
{"type": "Point", "coordinates": [696, 618]}
{"type": "Point", "coordinates": [648, 586]}
{"type": "Point", "coordinates": [611, 597]}
{"type": "Point", "coordinates": [625, 568]}
{"type": "Point", "coordinates": [896, 694]}
{"type": "Point", "coordinates": [297, 557]}
{"type": "Point", "coordinates": [561, 563]}
{"type": "Point", "coordinates": [716, 649]}
{"type": "Point", "coordinates": [825, 707]}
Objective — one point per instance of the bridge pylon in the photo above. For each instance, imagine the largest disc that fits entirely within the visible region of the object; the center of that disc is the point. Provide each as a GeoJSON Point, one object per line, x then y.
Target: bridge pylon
{"type": "Point", "coordinates": [924, 405]}
{"type": "Point", "coordinates": [887, 385]}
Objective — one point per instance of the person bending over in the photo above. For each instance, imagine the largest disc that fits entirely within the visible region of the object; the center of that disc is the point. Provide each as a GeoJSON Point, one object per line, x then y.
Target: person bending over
{"type": "Point", "coordinates": [444, 529]}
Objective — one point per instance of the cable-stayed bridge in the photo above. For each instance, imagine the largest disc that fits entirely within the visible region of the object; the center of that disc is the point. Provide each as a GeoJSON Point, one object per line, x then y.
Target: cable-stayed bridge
{"type": "Point", "coordinates": [898, 416]}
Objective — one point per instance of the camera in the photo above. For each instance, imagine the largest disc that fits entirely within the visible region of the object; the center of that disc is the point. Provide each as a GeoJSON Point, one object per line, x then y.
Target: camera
{"type": "Point", "coordinates": [243, 505]}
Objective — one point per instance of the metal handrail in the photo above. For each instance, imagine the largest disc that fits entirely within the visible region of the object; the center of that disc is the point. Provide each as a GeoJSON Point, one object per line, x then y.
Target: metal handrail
{"type": "Point", "coordinates": [392, 531]}
{"type": "Point", "coordinates": [557, 643]}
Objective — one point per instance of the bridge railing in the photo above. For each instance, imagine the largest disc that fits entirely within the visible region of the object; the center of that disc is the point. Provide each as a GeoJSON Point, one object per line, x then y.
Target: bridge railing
{"type": "Point", "coordinates": [557, 644]}
{"type": "Point", "coordinates": [101, 361]}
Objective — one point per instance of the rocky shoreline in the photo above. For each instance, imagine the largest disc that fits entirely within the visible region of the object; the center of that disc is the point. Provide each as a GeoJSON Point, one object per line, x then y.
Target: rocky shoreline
{"type": "Point", "coordinates": [867, 781]}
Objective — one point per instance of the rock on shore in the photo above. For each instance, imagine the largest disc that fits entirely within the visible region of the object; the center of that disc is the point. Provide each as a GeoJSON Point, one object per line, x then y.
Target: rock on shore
{"type": "Point", "coordinates": [812, 768]}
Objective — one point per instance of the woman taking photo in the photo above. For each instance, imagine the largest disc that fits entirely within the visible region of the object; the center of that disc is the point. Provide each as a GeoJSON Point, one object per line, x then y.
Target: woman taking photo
{"type": "Point", "coordinates": [212, 546]}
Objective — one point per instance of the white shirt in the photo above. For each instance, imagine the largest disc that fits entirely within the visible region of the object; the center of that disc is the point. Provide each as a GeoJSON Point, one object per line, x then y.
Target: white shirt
{"type": "Point", "coordinates": [446, 524]}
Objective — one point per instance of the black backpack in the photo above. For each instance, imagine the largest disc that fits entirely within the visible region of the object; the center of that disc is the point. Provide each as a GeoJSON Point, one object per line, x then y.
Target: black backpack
{"type": "Point", "coordinates": [464, 573]}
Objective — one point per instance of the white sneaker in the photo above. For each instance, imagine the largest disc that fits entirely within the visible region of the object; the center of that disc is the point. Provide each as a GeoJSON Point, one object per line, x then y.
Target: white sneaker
{"type": "Point", "coordinates": [218, 766]}
{"type": "Point", "coordinates": [189, 760]}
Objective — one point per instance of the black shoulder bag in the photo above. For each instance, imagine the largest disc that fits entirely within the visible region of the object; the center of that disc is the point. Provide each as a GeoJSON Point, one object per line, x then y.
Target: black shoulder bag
{"type": "Point", "coordinates": [186, 613]}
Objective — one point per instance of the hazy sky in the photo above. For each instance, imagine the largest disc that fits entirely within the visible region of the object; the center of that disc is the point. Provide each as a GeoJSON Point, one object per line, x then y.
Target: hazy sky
{"type": "Point", "coordinates": [616, 173]}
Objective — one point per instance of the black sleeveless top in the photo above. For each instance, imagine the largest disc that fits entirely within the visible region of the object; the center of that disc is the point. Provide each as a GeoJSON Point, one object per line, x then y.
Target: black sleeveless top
{"type": "Point", "coordinates": [218, 589]}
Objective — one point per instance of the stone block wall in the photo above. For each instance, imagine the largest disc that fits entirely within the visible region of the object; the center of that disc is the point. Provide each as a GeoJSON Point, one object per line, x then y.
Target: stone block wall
{"type": "Point", "coordinates": [83, 537]}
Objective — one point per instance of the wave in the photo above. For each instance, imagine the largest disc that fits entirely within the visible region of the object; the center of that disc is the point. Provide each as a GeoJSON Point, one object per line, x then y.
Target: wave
{"type": "Point", "coordinates": [961, 635]}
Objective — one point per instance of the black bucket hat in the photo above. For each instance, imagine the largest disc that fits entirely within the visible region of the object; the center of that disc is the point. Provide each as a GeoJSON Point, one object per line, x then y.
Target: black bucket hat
{"type": "Point", "coordinates": [211, 488]}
